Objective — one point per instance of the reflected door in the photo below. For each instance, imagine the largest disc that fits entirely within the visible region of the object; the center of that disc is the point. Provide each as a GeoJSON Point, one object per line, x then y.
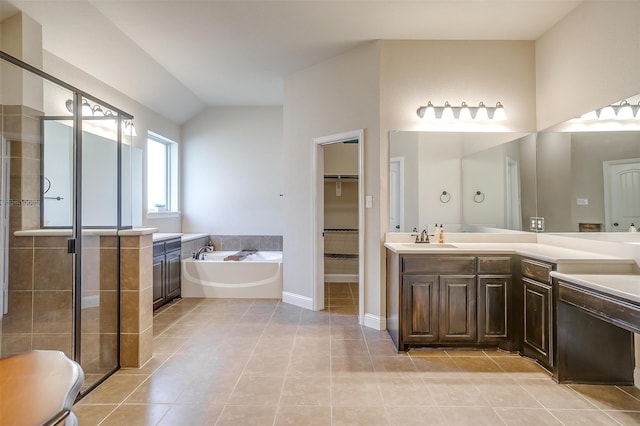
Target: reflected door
{"type": "Point", "coordinates": [622, 186]}
{"type": "Point", "coordinates": [396, 196]}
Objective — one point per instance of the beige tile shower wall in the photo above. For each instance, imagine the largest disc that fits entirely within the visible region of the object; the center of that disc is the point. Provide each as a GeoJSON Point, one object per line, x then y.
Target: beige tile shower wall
{"type": "Point", "coordinates": [136, 298]}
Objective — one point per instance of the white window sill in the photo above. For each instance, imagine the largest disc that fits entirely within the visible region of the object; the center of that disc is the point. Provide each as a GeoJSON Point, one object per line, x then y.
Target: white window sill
{"type": "Point", "coordinates": [163, 215]}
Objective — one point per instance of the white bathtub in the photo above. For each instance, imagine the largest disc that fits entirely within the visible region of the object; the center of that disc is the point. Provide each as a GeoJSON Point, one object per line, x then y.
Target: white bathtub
{"type": "Point", "coordinates": [258, 276]}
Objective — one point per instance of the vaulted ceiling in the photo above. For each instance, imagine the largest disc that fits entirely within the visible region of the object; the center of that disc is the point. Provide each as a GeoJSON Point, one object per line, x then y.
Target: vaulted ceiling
{"type": "Point", "coordinates": [177, 56]}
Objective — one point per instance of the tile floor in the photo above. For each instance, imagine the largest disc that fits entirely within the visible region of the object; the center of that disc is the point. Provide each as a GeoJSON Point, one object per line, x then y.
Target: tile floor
{"type": "Point", "coordinates": [261, 362]}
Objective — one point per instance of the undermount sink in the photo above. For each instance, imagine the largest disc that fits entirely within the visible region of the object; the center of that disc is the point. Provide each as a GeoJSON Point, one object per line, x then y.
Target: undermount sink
{"type": "Point", "coordinates": [428, 246]}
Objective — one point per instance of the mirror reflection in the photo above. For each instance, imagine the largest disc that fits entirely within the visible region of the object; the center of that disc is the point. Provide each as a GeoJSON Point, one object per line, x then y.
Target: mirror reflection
{"type": "Point", "coordinates": [468, 181]}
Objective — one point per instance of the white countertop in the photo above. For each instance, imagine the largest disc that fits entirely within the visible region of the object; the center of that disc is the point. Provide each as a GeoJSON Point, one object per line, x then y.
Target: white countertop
{"type": "Point", "coordinates": [544, 252]}
{"type": "Point", "coordinates": [625, 286]}
{"type": "Point", "coordinates": [161, 236]}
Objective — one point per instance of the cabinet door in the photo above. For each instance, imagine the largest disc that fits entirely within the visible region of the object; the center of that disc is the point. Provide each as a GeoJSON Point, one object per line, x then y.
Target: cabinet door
{"type": "Point", "coordinates": [173, 275]}
{"type": "Point", "coordinates": [158, 281]}
{"type": "Point", "coordinates": [457, 308]}
{"type": "Point", "coordinates": [420, 308]}
{"type": "Point", "coordinates": [493, 307]}
{"type": "Point", "coordinates": [538, 321]}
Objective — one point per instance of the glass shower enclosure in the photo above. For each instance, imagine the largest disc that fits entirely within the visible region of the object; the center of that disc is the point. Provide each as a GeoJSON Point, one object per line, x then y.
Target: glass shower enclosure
{"type": "Point", "coordinates": [65, 191]}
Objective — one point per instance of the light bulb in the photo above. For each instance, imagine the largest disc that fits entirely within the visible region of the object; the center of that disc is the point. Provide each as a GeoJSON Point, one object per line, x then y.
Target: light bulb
{"type": "Point", "coordinates": [607, 113]}
{"type": "Point", "coordinates": [447, 112]}
{"type": "Point", "coordinates": [86, 108]}
{"type": "Point", "coordinates": [465, 113]}
{"type": "Point", "coordinates": [625, 112]}
{"type": "Point", "coordinates": [499, 114]}
{"type": "Point", "coordinates": [429, 112]}
{"type": "Point", "coordinates": [482, 114]}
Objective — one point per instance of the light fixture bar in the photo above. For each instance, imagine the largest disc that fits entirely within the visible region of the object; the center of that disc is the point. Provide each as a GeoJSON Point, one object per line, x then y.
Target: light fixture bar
{"type": "Point", "coordinates": [462, 112]}
{"type": "Point", "coordinates": [622, 111]}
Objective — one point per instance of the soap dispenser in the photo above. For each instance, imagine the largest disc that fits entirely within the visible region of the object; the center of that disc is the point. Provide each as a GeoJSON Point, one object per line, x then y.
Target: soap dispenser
{"type": "Point", "coordinates": [441, 235]}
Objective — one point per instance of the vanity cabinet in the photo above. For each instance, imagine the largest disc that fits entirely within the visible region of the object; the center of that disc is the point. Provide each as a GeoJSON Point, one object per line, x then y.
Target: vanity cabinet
{"type": "Point", "coordinates": [539, 299]}
{"type": "Point", "coordinates": [166, 271]}
{"type": "Point", "coordinates": [447, 300]}
{"type": "Point", "coordinates": [494, 299]}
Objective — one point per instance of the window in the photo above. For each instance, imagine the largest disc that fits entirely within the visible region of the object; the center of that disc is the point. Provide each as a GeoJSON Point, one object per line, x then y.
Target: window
{"type": "Point", "coordinates": [162, 174]}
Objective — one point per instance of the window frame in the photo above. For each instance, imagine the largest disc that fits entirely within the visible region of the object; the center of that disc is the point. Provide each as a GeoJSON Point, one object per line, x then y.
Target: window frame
{"type": "Point", "coordinates": [171, 168]}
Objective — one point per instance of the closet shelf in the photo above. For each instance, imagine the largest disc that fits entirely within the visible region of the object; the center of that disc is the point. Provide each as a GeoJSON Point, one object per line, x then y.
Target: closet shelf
{"type": "Point", "coordinates": [341, 256]}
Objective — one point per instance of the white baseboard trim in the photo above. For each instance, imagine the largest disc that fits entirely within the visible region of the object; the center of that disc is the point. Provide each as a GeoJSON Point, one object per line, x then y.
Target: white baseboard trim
{"type": "Point", "coordinates": [297, 300]}
{"type": "Point", "coordinates": [341, 278]}
{"type": "Point", "coordinates": [636, 377]}
{"type": "Point", "coordinates": [375, 322]}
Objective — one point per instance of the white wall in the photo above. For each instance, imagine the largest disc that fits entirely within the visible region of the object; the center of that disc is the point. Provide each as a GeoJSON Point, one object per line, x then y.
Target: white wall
{"type": "Point", "coordinates": [335, 96]}
{"type": "Point", "coordinates": [233, 171]}
{"type": "Point", "coordinates": [588, 60]}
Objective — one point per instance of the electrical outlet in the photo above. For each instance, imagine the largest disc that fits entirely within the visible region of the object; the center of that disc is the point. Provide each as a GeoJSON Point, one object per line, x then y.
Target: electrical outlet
{"type": "Point", "coordinates": [536, 224]}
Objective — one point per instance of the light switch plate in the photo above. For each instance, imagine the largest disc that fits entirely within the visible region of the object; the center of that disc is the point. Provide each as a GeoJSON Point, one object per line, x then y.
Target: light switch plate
{"type": "Point", "coordinates": [582, 201]}
{"type": "Point", "coordinates": [368, 201]}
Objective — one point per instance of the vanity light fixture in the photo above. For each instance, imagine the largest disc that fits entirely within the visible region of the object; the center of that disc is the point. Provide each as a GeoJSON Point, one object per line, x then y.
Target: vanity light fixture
{"type": "Point", "coordinates": [463, 112]}
{"type": "Point", "coordinates": [622, 111]}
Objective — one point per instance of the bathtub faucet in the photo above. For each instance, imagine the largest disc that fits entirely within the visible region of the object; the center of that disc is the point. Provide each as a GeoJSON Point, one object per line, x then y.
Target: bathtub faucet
{"type": "Point", "coordinates": [198, 255]}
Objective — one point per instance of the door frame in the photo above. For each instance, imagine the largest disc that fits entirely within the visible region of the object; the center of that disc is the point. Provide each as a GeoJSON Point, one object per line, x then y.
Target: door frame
{"type": "Point", "coordinates": [318, 216]}
{"type": "Point", "coordinates": [400, 162]}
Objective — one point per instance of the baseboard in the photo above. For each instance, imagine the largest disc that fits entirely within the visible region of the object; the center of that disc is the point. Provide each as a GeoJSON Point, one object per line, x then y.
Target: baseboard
{"type": "Point", "coordinates": [374, 321]}
{"type": "Point", "coordinates": [297, 300]}
{"type": "Point", "coordinates": [636, 377]}
{"type": "Point", "coordinates": [341, 278]}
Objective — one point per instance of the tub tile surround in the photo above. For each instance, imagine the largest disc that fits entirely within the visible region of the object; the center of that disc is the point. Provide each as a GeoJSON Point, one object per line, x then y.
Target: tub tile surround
{"type": "Point", "coordinates": [247, 242]}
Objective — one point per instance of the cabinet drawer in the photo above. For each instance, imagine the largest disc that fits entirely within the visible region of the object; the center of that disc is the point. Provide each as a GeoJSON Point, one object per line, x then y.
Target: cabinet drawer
{"type": "Point", "coordinates": [494, 265]}
{"type": "Point", "coordinates": [430, 264]}
{"type": "Point", "coordinates": [158, 248]}
{"type": "Point", "coordinates": [172, 245]}
{"type": "Point", "coordinates": [537, 270]}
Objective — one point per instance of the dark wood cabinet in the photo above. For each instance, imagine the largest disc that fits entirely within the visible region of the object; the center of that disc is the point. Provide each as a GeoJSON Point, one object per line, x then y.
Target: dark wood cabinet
{"type": "Point", "coordinates": [457, 308]}
{"type": "Point", "coordinates": [434, 300]}
{"type": "Point", "coordinates": [166, 271]}
{"type": "Point", "coordinates": [420, 308]}
{"type": "Point", "coordinates": [538, 325]}
{"type": "Point", "coordinates": [494, 315]}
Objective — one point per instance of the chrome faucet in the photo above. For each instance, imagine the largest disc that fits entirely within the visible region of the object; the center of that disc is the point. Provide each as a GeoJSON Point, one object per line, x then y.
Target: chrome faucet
{"type": "Point", "coordinates": [422, 237]}
{"type": "Point", "coordinates": [198, 255]}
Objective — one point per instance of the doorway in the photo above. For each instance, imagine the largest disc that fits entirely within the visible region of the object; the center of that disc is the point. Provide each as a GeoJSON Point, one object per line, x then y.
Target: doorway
{"type": "Point", "coordinates": [354, 138]}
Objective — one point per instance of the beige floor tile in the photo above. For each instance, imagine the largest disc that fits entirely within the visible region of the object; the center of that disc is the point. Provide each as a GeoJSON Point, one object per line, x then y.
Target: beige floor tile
{"type": "Point", "coordinates": [427, 352]}
{"type": "Point", "coordinates": [136, 415]}
{"type": "Point", "coordinates": [353, 416]}
{"type": "Point", "coordinates": [311, 365]}
{"type": "Point", "coordinates": [403, 391]}
{"type": "Point", "coordinates": [92, 414]}
{"type": "Point", "coordinates": [505, 393]}
{"type": "Point", "coordinates": [257, 390]}
{"type": "Point", "coordinates": [526, 416]}
{"type": "Point", "coordinates": [517, 364]}
{"type": "Point", "coordinates": [418, 416]}
{"type": "Point", "coordinates": [381, 348]}
{"type": "Point", "coordinates": [346, 332]}
{"type": "Point", "coordinates": [152, 365]}
{"type": "Point", "coordinates": [312, 346]}
{"type": "Point", "coordinates": [455, 392]}
{"type": "Point", "coordinates": [625, 417]}
{"type": "Point", "coordinates": [474, 364]}
{"type": "Point", "coordinates": [554, 396]}
{"type": "Point", "coordinates": [159, 390]}
{"type": "Point", "coordinates": [433, 366]}
{"type": "Point", "coordinates": [393, 364]}
{"type": "Point", "coordinates": [303, 415]}
{"type": "Point", "coordinates": [586, 417]}
{"type": "Point", "coordinates": [209, 390]}
{"type": "Point", "coordinates": [608, 397]}
{"type": "Point", "coordinates": [115, 389]}
{"type": "Point", "coordinates": [300, 390]}
{"type": "Point", "coordinates": [168, 344]}
{"type": "Point", "coordinates": [355, 392]}
{"type": "Point", "coordinates": [353, 366]}
{"type": "Point", "coordinates": [235, 415]}
{"type": "Point", "coordinates": [470, 416]}
{"type": "Point", "coordinates": [466, 353]}
{"type": "Point", "coordinates": [349, 348]}
{"type": "Point", "coordinates": [342, 319]}
{"type": "Point", "coordinates": [267, 365]}
{"type": "Point", "coordinates": [191, 415]}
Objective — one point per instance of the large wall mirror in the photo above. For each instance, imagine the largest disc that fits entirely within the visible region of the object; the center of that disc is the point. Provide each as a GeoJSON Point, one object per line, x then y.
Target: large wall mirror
{"type": "Point", "coordinates": [471, 182]}
{"type": "Point", "coordinates": [580, 176]}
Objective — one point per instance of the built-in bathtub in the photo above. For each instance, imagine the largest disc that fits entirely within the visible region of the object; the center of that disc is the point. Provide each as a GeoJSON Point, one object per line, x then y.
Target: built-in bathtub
{"type": "Point", "coordinates": [258, 276]}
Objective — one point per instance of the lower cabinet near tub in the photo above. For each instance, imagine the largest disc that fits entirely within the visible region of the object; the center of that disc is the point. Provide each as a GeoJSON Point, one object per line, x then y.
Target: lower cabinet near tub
{"type": "Point", "coordinates": [449, 300]}
{"type": "Point", "coordinates": [166, 271]}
